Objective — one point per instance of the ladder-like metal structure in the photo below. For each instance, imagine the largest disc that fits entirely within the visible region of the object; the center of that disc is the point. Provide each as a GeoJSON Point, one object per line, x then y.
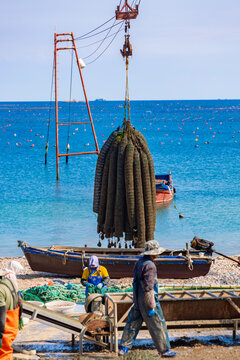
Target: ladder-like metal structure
{"type": "Point", "coordinates": [58, 40]}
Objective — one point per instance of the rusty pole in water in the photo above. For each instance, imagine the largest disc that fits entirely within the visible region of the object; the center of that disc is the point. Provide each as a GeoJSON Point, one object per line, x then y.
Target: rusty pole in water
{"type": "Point", "coordinates": [56, 104]}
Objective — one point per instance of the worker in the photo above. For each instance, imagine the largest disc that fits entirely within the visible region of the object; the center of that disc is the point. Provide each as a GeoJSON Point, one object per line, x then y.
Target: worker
{"type": "Point", "coordinates": [146, 304]}
{"type": "Point", "coordinates": [9, 309]}
{"type": "Point", "coordinates": [94, 275]}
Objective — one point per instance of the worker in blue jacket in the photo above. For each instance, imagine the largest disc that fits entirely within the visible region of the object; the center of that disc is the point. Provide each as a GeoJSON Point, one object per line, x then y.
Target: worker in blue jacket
{"type": "Point", "coordinates": [94, 275]}
{"type": "Point", "coordinates": [146, 304]}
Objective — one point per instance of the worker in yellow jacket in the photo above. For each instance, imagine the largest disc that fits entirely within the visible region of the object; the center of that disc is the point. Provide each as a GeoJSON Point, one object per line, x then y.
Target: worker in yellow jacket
{"type": "Point", "coordinates": [94, 275]}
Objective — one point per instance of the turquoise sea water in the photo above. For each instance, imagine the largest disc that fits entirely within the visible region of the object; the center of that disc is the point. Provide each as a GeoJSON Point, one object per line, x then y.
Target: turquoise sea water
{"type": "Point", "coordinates": [37, 209]}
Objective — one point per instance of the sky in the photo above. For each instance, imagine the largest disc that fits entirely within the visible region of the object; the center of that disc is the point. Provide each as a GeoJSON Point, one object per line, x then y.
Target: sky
{"type": "Point", "coordinates": [182, 49]}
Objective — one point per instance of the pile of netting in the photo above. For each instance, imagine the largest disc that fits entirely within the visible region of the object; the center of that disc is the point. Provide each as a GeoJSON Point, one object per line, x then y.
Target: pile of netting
{"type": "Point", "coordinates": [46, 293]}
{"type": "Point", "coordinates": [67, 292]}
{"type": "Point", "coordinates": [125, 190]}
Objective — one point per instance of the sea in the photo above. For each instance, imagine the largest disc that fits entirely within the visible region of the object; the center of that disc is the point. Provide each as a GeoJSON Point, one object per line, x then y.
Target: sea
{"type": "Point", "coordinates": [198, 141]}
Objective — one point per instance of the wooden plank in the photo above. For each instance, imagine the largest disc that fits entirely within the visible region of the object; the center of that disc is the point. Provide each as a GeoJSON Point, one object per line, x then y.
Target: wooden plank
{"type": "Point", "coordinates": [234, 305]}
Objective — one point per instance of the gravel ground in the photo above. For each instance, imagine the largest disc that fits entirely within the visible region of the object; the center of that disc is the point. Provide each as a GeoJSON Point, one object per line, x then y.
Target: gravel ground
{"type": "Point", "coordinates": [222, 272]}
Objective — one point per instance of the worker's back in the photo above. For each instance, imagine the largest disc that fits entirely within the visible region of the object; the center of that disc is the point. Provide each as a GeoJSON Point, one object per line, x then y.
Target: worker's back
{"type": "Point", "coordinates": [8, 294]}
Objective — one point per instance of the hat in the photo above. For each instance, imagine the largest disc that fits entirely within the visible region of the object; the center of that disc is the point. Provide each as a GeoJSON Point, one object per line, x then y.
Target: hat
{"type": "Point", "coordinates": [152, 248]}
{"type": "Point", "coordinates": [14, 266]}
{"type": "Point", "coordinates": [93, 261]}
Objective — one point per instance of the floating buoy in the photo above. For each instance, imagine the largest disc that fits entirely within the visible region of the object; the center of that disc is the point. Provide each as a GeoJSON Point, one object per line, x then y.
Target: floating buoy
{"type": "Point", "coordinates": [15, 135]}
{"type": "Point", "coordinates": [33, 145]}
{"type": "Point", "coordinates": [86, 144]}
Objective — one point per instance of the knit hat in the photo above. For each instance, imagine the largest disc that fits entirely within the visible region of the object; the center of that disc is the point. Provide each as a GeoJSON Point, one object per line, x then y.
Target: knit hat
{"type": "Point", "coordinates": [152, 248]}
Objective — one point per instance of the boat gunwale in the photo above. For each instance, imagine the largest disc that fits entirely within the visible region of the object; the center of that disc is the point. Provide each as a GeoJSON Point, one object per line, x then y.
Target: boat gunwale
{"type": "Point", "coordinates": [120, 258]}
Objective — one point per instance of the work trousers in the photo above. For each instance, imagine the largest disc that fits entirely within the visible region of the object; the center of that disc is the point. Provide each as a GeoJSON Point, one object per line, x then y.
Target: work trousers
{"type": "Point", "coordinates": [155, 324]}
{"type": "Point", "coordinates": [10, 333]}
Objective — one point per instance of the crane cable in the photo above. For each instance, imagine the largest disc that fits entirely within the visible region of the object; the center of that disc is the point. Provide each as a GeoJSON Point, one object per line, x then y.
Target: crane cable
{"type": "Point", "coordinates": [69, 109]}
{"type": "Point", "coordinates": [127, 101]}
{"type": "Point", "coordinates": [86, 57]}
{"type": "Point", "coordinates": [49, 118]}
{"type": "Point", "coordinates": [82, 36]}
{"type": "Point", "coordinates": [106, 46]}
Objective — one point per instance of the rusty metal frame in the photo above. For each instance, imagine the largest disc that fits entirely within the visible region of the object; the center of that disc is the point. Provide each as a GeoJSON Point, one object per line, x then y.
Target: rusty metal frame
{"type": "Point", "coordinates": [111, 302]}
{"type": "Point", "coordinates": [128, 14]}
{"type": "Point", "coordinates": [59, 38]}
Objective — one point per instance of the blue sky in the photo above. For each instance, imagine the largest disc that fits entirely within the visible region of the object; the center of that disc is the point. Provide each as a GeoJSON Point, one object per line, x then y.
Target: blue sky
{"type": "Point", "coordinates": [181, 50]}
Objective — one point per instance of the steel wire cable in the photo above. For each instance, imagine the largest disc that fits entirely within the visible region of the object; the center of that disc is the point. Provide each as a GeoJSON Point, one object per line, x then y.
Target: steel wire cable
{"type": "Point", "coordinates": [80, 37]}
{"type": "Point", "coordinates": [50, 109]}
{"type": "Point", "coordinates": [106, 47]}
{"type": "Point", "coordinates": [70, 98]}
{"type": "Point", "coordinates": [50, 102]}
{"type": "Point", "coordinates": [100, 32]}
{"type": "Point", "coordinates": [96, 42]}
{"type": "Point", "coordinates": [86, 57]}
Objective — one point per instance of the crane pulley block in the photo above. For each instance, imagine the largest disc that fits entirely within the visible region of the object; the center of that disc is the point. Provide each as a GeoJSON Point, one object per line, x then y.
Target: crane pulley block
{"type": "Point", "coordinates": [127, 47]}
{"type": "Point", "coordinates": [126, 12]}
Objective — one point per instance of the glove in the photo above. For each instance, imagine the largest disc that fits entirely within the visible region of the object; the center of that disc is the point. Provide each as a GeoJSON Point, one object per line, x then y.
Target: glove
{"type": "Point", "coordinates": [89, 284]}
{"type": "Point", "coordinates": [100, 285]}
{"type": "Point", "coordinates": [150, 299]}
{"type": "Point", "coordinates": [151, 312]}
{"type": "Point", "coordinates": [0, 343]}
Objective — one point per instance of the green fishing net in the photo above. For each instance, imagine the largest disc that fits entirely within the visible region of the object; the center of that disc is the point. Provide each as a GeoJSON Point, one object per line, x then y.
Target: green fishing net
{"type": "Point", "coordinates": [66, 292]}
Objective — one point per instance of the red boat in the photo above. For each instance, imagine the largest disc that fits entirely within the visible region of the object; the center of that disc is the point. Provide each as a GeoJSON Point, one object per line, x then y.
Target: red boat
{"type": "Point", "coordinates": [164, 188]}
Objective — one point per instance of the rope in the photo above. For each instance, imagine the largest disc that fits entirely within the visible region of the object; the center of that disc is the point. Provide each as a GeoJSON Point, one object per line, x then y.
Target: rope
{"type": "Point", "coordinates": [181, 217]}
{"type": "Point", "coordinates": [69, 108]}
{"type": "Point", "coordinates": [127, 101]}
{"type": "Point", "coordinates": [50, 108]}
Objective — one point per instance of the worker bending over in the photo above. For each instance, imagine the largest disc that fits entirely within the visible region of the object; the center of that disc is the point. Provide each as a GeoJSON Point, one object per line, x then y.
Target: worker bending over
{"type": "Point", "coordinates": [9, 310]}
{"type": "Point", "coordinates": [146, 304]}
{"type": "Point", "coordinates": [94, 275]}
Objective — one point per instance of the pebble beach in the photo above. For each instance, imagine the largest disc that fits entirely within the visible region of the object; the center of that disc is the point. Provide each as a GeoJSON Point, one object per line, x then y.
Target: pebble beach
{"type": "Point", "coordinates": [223, 272]}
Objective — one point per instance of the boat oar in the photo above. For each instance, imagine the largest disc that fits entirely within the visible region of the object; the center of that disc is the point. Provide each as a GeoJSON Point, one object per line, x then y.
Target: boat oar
{"type": "Point", "coordinates": [201, 244]}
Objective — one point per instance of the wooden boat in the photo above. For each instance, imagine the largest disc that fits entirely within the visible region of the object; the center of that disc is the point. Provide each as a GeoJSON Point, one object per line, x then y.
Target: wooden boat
{"type": "Point", "coordinates": [164, 188]}
{"type": "Point", "coordinates": [66, 260]}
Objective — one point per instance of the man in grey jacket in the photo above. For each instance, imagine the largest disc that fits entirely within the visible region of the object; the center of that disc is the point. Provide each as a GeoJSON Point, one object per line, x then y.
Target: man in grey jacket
{"type": "Point", "coordinates": [146, 304]}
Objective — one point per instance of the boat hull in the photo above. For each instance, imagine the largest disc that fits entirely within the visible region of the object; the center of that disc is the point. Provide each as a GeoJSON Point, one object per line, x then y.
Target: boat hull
{"type": "Point", "coordinates": [164, 188]}
{"type": "Point", "coordinates": [119, 266]}
{"type": "Point", "coordinates": [163, 196]}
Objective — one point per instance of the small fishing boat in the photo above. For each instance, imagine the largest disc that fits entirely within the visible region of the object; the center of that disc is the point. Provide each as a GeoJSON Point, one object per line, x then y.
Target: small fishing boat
{"type": "Point", "coordinates": [164, 188]}
{"type": "Point", "coordinates": [66, 260]}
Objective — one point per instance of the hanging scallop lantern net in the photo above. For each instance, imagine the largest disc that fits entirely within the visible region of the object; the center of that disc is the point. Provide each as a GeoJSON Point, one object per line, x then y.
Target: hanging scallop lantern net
{"type": "Point", "coordinates": [124, 191]}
